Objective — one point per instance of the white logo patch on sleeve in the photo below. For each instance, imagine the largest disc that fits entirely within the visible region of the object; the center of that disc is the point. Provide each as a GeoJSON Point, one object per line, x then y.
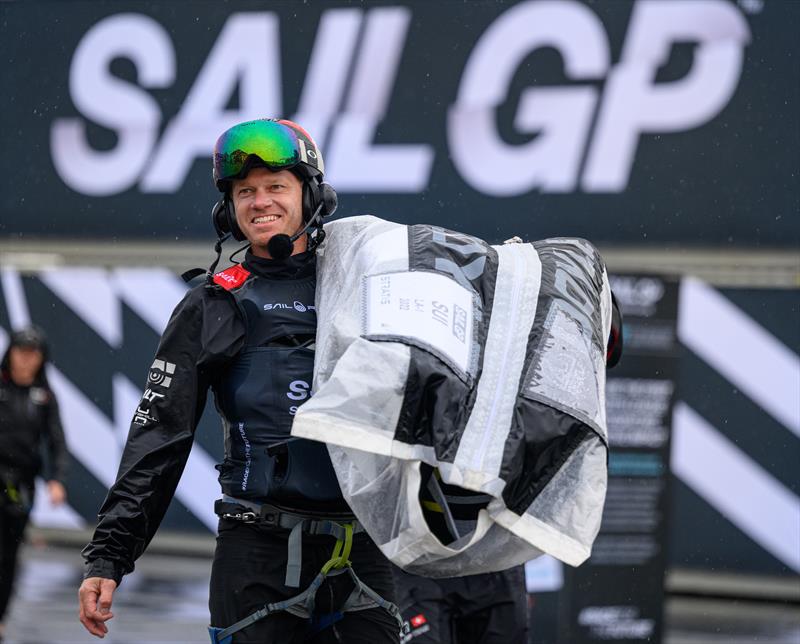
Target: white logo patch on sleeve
{"type": "Point", "coordinates": [161, 372]}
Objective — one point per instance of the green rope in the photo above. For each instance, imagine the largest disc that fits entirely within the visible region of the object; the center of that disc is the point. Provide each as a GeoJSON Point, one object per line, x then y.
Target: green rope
{"type": "Point", "coordinates": [12, 493]}
{"type": "Point", "coordinates": [348, 544]}
{"type": "Point", "coordinates": [341, 551]}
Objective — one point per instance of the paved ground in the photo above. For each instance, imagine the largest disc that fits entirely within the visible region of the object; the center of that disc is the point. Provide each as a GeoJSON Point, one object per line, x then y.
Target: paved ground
{"type": "Point", "coordinates": [165, 601]}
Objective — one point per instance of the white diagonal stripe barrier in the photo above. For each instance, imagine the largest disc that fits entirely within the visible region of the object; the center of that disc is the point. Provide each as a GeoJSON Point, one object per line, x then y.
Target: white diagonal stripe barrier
{"type": "Point", "coordinates": [727, 478]}
{"type": "Point", "coordinates": [741, 350]}
{"type": "Point", "coordinates": [90, 294]}
{"type": "Point", "coordinates": [18, 314]}
{"type": "Point", "coordinates": [151, 292]}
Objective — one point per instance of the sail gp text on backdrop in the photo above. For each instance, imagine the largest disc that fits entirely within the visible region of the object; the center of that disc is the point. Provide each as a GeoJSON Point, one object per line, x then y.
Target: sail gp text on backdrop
{"type": "Point", "coordinates": [358, 51]}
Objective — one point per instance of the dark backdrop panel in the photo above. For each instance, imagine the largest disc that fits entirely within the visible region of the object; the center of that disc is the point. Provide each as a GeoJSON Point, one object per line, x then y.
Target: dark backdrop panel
{"type": "Point", "coordinates": [728, 178]}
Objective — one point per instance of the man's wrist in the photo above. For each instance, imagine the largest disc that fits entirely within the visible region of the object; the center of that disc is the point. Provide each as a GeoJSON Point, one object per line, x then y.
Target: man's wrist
{"type": "Point", "coordinates": [103, 568]}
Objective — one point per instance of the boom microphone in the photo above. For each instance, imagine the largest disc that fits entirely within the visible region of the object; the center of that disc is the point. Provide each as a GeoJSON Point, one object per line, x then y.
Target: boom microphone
{"type": "Point", "coordinates": [280, 246]}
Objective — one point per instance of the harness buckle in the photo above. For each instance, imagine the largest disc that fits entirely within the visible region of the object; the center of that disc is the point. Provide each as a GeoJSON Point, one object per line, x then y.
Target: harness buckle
{"type": "Point", "coordinates": [244, 517]}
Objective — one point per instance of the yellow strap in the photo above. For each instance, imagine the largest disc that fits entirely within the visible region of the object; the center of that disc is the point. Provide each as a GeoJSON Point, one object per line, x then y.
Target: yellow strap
{"type": "Point", "coordinates": [341, 551]}
{"type": "Point", "coordinates": [12, 493]}
{"type": "Point", "coordinates": [432, 506]}
{"type": "Point", "coordinates": [348, 544]}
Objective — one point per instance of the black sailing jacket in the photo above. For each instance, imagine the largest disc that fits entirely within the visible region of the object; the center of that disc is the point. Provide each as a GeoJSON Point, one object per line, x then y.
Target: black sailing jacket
{"type": "Point", "coordinates": [211, 341]}
{"type": "Point", "coordinates": [29, 418]}
{"type": "Point", "coordinates": [248, 339]}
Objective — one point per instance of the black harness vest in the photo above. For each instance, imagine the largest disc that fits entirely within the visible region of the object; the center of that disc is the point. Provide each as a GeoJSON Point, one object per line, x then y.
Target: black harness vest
{"type": "Point", "coordinates": [260, 393]}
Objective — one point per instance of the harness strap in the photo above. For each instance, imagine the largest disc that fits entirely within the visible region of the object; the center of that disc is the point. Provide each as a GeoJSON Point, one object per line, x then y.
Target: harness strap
{"type": "Point", "coordinates": [232, 508]}
{"type": "Point", "coordinates": [355, 602]}
{"type": "Point", "coordinates": [297, 605]}
{"type": "Point", "coordinates": [341, 551]}
{"type": "Point", "coordinates": [441, 501]}
{"type": "Point", "coordinates": [302, 605]}
{"type": "Point", "coordinates": [294, 559]}
{"type": "Point", "coordinates": [344, 543]}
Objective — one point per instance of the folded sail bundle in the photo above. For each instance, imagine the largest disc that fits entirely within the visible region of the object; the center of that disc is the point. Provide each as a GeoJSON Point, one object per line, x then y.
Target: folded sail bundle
{"type": "Point", "coordinates": [460, 388]}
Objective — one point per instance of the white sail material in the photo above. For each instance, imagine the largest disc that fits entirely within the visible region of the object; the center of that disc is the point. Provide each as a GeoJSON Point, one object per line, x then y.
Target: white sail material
{"type": "Point", "coordinates": [484, 365]}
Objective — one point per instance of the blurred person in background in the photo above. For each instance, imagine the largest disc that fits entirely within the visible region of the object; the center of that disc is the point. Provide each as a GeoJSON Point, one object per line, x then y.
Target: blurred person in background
{"type": "Point", "coordinates": [29, 420]}
{"type": "Point", "coordinates": [248, 333]}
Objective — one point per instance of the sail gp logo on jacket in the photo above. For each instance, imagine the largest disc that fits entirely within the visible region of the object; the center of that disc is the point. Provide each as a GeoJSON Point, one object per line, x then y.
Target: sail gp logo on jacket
{"type": "Point", "coordinates": [144, 414]}
{"type": "Point", "coordinates": [161, 373]}
{"type": "Point", "coordinates": [297, 306]}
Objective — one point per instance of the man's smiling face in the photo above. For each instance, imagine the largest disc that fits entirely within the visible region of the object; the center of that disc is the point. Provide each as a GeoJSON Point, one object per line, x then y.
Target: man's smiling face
{"type": "Point", "coordinates": [268, 203]}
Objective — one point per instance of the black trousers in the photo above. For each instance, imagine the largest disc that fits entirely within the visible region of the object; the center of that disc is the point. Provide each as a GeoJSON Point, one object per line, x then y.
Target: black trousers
{"type": "Point", "coordinates": [249, 570]}
{"type": "Point", "coordinates": [491, 608]}
{"type": "Point", "coordinates": [13, 520]}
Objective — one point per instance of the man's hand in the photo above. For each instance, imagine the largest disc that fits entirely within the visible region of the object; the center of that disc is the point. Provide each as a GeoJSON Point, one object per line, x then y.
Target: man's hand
{"type": "Point", "coordinates": [94, 597]}
{"type": "Point", "coordinates": [56, 492]}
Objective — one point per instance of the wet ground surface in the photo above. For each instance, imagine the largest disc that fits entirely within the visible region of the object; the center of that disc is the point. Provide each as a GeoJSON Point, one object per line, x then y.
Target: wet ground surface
{"type": "Point", "coordinates": [165, 600]}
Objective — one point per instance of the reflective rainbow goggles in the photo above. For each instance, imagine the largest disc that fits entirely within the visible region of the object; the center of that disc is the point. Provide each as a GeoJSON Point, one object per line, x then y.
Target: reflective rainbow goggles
{"type": "Point", "coordinates": [279, 144]}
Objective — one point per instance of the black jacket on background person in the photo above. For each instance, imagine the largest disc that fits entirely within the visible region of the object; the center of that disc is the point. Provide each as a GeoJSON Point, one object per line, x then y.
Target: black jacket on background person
{"type": "Point", "coordinates": [234, 337]}
{"type": "Point", "coordinates": [29, 418]}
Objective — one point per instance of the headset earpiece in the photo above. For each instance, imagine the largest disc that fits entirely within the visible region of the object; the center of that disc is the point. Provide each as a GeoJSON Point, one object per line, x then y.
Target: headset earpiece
{"type": "Point", "coordinates": [233, 225]}
{"type": "Point", "coordinates": [309, 200]}
{"type": "Point", "coordinates": [223, 217]}
{"type": "Point", "coordinates": [219, 219]}
{"type": "Point", "coordinates": [330, 200]}
{"type": "Point", "coordinates": [316, 192]}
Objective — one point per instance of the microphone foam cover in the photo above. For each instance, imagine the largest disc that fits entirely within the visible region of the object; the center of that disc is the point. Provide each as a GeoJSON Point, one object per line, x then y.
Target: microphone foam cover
{"type": "Point", "coordinates": [280, 246]}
